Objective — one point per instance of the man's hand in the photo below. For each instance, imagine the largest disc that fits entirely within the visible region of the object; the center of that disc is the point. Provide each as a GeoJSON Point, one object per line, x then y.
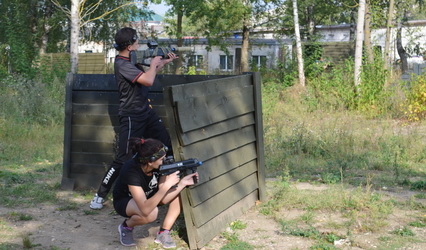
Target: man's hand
{"type": "Point", "coordinates": [155, 62]}
{"type": "Point", "coordinates": [172, 56]}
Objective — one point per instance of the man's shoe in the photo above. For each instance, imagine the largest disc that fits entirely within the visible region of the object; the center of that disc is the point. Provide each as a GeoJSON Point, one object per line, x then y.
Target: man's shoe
{"type": "Point", "coordinates": [126, 236]}
{"type": "Point", "coordinates": [165, 239]}
{"type": "Point", "coordinates": [96, 203]}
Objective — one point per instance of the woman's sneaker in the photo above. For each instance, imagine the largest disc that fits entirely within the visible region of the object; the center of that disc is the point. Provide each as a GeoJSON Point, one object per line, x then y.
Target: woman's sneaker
{"type": "Point", "coordinates": [165, 239]}
{"type": "Point", "coordinates": [96, 203]}
{"type": "Point", "coordinates": [126, 236]}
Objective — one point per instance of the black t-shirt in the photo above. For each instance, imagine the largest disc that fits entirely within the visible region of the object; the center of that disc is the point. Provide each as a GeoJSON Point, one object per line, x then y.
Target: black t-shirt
{"type": "Point", "coordinates": [133, 96]}
{"type": "Point", "coordinates": [132, 174]}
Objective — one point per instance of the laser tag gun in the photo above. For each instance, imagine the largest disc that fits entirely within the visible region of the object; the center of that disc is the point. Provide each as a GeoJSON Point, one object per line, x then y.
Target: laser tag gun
{"type": "Point", "coordinates": [139, 57]}
{"type": "Point", "coordinates": [184, 167]}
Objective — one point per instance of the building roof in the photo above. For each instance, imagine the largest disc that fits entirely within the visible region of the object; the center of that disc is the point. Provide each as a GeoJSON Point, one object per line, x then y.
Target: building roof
{"type": "Point", "coordinates": [143, 16]}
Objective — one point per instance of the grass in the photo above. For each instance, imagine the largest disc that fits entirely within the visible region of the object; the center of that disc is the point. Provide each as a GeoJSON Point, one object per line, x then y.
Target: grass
{"type": "Point", "coordinates": [231, 236]}
{"type": "Point", "coordinates": [331, 147]}
{"type": "Point", "coordinates": [26, 185]}
{"type": "Point", "coordinates": [354, 155]}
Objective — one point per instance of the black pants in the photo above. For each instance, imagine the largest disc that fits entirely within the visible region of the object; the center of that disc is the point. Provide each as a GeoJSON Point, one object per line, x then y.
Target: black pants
{"type": "Point", "coordinates": [150, 126]}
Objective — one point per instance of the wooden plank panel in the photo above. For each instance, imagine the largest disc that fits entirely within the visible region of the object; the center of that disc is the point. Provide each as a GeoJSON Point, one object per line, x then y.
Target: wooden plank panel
{"type": "Point", "coordinates": [216, 129]}
{"type": "Point", "coordinates": [212, 228]}
{"type": "Point", "coordinates": [218, 145]}
{"type": "Point", "coordinates": [90, 169]}
{"type": "Point", "coordinates": [95, 120]}
{"type": "Point", "coordinates": [169, 80]}
{"type": "Point", "coordinates": [93, 133]}
{"type": "Point", "coordinates": [83, 181]}
{"type": "Point", "coordinates": [94, 109]}
{"type": "Point", "coordinates": [98, 97]}
{"type": "Point", "coordinates": [226, 162]}
{"type": "Point", "coordinates": [96, 82]}
{"type": "Point", "coordinates": [92, 147]}
{"type": "Point", "coordinates": [91, 158]}
{"type": "Point", "coordinates": [223, 200]}
{"type": "Point", "coordinates": [201, 111]}
{"type": "Point", "coordinates": [207, 87]}
{"type": "Point", "coordinates": [209, 189]}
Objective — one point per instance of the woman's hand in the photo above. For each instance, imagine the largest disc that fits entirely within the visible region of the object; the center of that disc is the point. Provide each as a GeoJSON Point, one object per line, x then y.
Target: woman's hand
{"type": "Point", "coordinates": [168, 181]}
{"type": "Point", "coordinates": [188, 180]}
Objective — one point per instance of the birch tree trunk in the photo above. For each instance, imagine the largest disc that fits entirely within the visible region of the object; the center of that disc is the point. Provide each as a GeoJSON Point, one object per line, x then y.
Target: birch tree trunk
{"type": "Point", "coordinates": [367, 34]}
{"type": "Point", "coordinates": [388, 33]}
{"type": "Point", "coordinates": [358, 44]}
{"type": "Point", "coordinates": [75, 32]}
{"type": "Point", "coordinates": [298, 45]}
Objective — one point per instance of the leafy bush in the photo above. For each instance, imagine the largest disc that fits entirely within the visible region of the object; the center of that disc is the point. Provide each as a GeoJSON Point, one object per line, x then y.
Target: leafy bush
{"type": "Point", "coordinates": [27, 100]}
{"type": "Point", "coordinates": [415, 104]}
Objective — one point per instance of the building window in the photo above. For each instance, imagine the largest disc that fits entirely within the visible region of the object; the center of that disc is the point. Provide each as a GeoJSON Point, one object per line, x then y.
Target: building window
{"type": "Point", "coordinates": [196, 60]}
{"type": "Point", "coordinates": [258, 62]}
{"type": "Point", "coordinates": [226, 62]}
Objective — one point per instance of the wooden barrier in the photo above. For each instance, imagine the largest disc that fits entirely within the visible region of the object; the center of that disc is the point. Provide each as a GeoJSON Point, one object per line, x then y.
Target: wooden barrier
{"type": "Point", "coordinates": [88, 63]}
{"type": "Point", "coordinates": [216, 119]}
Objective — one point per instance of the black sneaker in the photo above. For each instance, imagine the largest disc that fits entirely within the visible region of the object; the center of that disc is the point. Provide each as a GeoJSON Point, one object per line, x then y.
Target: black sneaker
{"type": "Point", "coordinates": [126, 236]}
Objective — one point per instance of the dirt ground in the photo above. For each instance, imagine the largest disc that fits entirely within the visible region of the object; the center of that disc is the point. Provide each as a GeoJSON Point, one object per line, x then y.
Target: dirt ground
{"type": "Point", "coordinates": [79, 228]}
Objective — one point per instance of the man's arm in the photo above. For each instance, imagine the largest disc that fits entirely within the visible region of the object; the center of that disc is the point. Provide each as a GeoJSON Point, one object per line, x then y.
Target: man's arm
{"type": "Point", "coordinates": [157, 63]}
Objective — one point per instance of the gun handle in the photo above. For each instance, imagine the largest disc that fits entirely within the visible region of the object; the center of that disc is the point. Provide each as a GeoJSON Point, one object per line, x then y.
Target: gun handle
{"type": "Point", "coordinates": [194, 177]}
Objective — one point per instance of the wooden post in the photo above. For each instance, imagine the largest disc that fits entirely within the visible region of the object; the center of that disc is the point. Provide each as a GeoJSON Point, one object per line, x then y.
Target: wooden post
{"type": "Point", "coordinates": [257, 85]}
{"type": "Point", "coordinates": [67, 183]}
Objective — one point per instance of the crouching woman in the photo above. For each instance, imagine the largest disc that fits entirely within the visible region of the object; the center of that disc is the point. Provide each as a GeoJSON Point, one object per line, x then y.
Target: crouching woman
{"type": "Point", "coordinates": [140, 190]}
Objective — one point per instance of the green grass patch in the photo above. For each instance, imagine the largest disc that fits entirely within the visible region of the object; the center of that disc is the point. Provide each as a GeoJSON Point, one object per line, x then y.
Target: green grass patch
{"type": "Point", "coordinates": [234, 243]}
{"type": "Point", "coordinates": [238, 225]}
{"type": "Point", "coordinates": [30, 184]}
{"type": "Point", "coordinates": [20, 216]}
{"type": "Point", "coordinates": [405, 231]}
{"type": "Point", "coordinates": [417, 224]}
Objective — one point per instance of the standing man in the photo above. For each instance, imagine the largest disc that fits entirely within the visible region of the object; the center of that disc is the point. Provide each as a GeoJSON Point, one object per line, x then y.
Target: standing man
{"type": "Point", "coordinates": [137, 118]}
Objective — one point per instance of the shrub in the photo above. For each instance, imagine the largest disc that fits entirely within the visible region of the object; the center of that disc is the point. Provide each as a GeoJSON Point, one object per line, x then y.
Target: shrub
{"type": "Point", "coordinates": [415, 104]}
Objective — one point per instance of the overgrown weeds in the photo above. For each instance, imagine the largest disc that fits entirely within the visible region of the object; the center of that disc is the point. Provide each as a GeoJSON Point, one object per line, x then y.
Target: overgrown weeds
{"type": "Point", "coordinates": [336, 146]}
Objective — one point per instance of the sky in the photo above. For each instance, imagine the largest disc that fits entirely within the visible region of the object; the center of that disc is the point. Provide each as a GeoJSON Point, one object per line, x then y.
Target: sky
{"type": "Point", "coordinates": [159, 9]}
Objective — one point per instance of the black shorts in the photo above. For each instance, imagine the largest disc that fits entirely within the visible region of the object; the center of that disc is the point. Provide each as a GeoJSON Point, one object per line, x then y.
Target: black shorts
{"type": "Point", "coordinates": [121, 205]}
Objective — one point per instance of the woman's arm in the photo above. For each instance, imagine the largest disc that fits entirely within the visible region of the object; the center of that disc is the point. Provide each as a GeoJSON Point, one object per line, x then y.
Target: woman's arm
{"type": "Point", "coordinates": [146, 206]}
{"type": "Point", "coordinates": [185, 181]}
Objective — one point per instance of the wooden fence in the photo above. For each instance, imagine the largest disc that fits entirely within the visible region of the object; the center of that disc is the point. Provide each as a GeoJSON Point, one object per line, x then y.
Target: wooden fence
{"type": "Point", "coordinates": [88, 63]}
{"type": "Point", "coordinates": [216, 119]}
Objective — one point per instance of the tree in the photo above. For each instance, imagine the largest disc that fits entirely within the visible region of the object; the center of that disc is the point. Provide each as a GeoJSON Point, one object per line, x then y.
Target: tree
{"type": "Point", "coordinates": [405, 9]}
{"type": "Point", "coordinates": [298, 45]}
{"type": "Point", "coordinates": [388, 32]}
{"type": "Point", "coordinates": [85, 13]}
{"type": "Point", "coordinates": [367, 32]}
{"type": "Point", "coordinates": [217, 20]}
{"type": "Point", "coordinates": [30, 28]}
{"type": "Point", "coordinates": [359, 40]}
